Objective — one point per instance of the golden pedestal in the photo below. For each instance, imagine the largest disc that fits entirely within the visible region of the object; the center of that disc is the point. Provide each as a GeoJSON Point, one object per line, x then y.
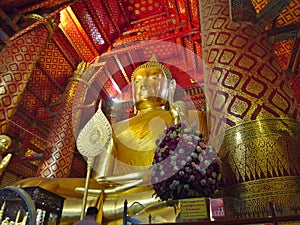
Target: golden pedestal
{"type": "Point", "coordinates": [253, 199]}
{"type": "Point", "coordinates": [261, 165]}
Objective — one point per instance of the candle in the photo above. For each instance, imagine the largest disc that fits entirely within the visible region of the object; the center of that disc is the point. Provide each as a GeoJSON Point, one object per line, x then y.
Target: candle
{"type": "Point", "coordinates": [2, 210]}
{"type": "Point", "coordinates": [18, 216]}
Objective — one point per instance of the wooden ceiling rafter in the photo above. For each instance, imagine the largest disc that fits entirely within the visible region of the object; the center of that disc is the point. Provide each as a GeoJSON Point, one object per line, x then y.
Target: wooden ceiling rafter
{"type": "Point", "coordinates": [92, 74]}
{"type": "Point", "coordinates": [23, 169]}
{"type": "Point", "coordinates": [117, 79]}
{"type": "Point", "coordinates": [173, 10]}
{"type": "Point", "coordinates": [195, 14]}
{"type": "Point", "coordinates": [166, 8]}
{"type": "Point", "coordinates": [294, 60]}
{"type": "Point", "coordinates": [68, 52]}
{"type": "Point", "coordinates": [46, 73]}
{"type": "Point", "coordinates": [26, 140]}
{"type": "Point", "coordinates": [47, 4]}
{"type": "Point", "coordinates": [127, 78]}
{"type": "Point", "coordinates": [39, 21]}
{"type": "Point", "coordinates": [190, 59]}
{"type": "Point", "coordinates": [123, 48]}
{"type": "Point", "coordinates": [80, 12]}
{"type": "Point", "coordinates": [140, 22]}
{"type": "Point", "coordinates": [131, 60]}
{"type": "Point", "coordinates": [27, 117]}
{"type": "Point", "coordinates": [188, 12]}
{"type": "Point", "coordinates": [35, 148]}
{"type": "Point", "coordinates": [9, 21]}
{"type": "Point", "coordinates": [37, 95]}
{"type": "Point", "coordinates": [147, 35]}
{"type": "Point", "coordinates": [278, 34]}
{"type": "Point", "coordinates": [3, 37]}
{"type": "Point", "coordinates": [271, 11]}
{"type": "Point", "coordinates": [116, 86]}
{"type": "Point", "coordinates": [109, 11]}
{"type": "Point", "coordinates": [77, 29]}
{"type": "Point", "coordinates": [142, 28]}
{"type": "Point", "coordinates": [183, 12]}
{"type": "Point", "coordinates": [96, 19]}
{"type": "Point", "coordinates": [70, 41]}
{"type": "Point", "coordinates": [96, 84]}
{"type": "Point", "coordinates": [100, 84]}
{"type": "Point", "coordinates": [124, 12]}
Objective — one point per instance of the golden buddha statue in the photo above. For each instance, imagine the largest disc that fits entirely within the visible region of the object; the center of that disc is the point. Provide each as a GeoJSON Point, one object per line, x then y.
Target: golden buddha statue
{"type": "Point", "coordinates": [5, 143]}
{"type": "Point", "coordinates": [127, 160]}
{"type": "Point", "coordinates": [135, 139]}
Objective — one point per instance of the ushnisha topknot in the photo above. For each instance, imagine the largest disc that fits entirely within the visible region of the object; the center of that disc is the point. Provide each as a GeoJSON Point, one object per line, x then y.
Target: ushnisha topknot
{"type": "Point", "coordinates": [153, 63]}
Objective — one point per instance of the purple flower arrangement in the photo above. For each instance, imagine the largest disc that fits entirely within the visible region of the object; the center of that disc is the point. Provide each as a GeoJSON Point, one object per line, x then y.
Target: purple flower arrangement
{"type": "Point", "coordinates": [183, 166]}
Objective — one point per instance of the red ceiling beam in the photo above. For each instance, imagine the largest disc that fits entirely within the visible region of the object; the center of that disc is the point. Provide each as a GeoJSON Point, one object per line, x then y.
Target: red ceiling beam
{"type": "Point", "coordinates": [40, 66]}
{"type": "Point", "coordinates": [47, 4]}
{"type": "Point", "coordinates": [271, 11]}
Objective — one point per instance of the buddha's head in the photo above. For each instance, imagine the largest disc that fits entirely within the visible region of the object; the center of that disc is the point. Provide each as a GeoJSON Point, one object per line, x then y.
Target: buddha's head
{"type": "Point", "coordinates": [5, 143]}
{"type": "Point", "coordinates": [150, 85]}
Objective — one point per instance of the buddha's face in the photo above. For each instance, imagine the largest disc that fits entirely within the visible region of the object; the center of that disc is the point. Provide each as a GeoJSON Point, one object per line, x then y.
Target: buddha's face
{"type": "Point", "coordinates": [150, 88]}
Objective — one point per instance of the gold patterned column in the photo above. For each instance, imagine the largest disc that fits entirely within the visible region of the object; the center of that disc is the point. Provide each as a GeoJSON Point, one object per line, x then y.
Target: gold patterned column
{"type": "Point", "coordinates": [59, 155]}
{"type": "Point", "coordinates": [17, 61]}
{"type": "Point", "coordinates": [252, 112]}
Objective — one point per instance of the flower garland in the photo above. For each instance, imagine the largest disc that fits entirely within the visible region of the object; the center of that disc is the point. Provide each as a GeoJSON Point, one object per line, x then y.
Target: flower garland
{"type": "Point", "coordinates": [183, 166]}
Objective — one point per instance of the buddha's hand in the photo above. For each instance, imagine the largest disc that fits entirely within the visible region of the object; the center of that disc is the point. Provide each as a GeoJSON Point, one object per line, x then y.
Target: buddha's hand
{"type": "Point", "coordinates": [175, 114]}
{"type": "Point", "coordinates": [178, 111]}
{"type": "Point", "coordinates": [125, 181]}
{"type": "Point", "coordinates": [126, 177]}
{"type": "Point", "coordinates": [110, 187]}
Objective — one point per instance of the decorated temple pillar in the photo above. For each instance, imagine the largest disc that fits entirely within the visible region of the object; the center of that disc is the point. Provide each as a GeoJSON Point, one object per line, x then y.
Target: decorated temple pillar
{"type": "Point", "coordinates": [17, 61]}
{"type": "Point", "coordinates": [252, 113]}
{"type": "Point", "coordinates": [60, 151]}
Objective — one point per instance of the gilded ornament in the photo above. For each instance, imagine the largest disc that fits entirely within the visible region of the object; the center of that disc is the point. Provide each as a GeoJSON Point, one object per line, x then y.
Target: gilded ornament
{"type": "Point", "coordinates": [260, 163]}
{"type": "Point", "coordinates": [5, 143]}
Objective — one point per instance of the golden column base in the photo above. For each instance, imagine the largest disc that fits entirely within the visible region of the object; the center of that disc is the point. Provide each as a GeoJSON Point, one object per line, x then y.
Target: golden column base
{"type": "Point", "coordinates": [254, 198]}
{"type": "Point", "coordinates": [261, 165]}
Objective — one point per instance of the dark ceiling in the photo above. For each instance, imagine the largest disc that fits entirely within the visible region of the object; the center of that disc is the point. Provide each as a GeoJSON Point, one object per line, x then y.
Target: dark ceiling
{"type": "Point", "coordinates": [116, 36]}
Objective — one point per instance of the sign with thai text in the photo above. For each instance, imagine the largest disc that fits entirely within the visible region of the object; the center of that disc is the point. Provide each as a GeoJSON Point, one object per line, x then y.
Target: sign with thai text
{"type": "Point", "coordinates": [193, 208]}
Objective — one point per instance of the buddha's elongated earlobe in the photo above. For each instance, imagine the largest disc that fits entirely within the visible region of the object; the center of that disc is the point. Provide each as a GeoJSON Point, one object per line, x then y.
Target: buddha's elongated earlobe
{"type": "Point", "coordinates": [171, 91]}
{"type": "Point", "coordinates": [133, 98]}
